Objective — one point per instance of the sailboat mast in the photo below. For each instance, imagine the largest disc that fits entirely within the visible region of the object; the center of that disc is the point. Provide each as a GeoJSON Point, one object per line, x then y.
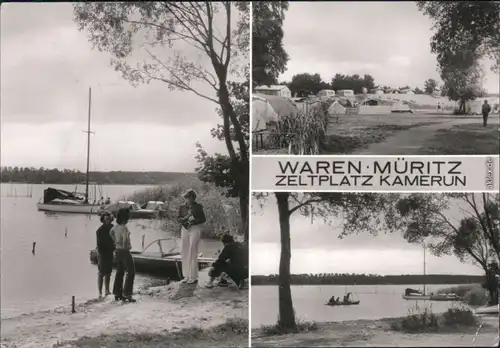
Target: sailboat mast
{"type": "Point", "coordinates": [424, 269]}
{"type": "Point", "coordinates": [88, 149]}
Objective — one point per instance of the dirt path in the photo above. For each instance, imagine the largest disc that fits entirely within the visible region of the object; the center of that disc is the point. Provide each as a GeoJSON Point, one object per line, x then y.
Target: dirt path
{"type": "Point", "coordinates": [376, 333]}
{"type": "Point", "coordinates": [409, 142]}
{"type": "Point", "coordinates": [154, 312]}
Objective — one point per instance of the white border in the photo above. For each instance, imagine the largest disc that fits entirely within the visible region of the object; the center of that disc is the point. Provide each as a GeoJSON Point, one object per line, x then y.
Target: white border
{"type": "Point", "coordinates": [372, 156]}
{"type": "Point", "coordinates": [250, 155]}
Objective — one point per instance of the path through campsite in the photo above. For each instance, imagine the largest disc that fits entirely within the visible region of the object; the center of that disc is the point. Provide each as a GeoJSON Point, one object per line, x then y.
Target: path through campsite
{"type": "Point", "coordinates": [410, 134]}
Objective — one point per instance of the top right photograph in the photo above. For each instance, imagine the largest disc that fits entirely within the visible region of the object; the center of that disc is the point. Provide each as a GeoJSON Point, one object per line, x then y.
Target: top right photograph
{"type": "Point", "coordinates": [375, 78]}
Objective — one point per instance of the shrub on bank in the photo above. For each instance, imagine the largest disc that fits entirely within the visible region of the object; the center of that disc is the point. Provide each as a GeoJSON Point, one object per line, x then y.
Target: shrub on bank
{"type": "Point", "coordinates": [223, 213]}
{"type": "Point", "coordinates": [426, 321]}
{"type": "Point", "coordinates": [471, 294]}
{"type": "Point", "coordinates": [277, 329]}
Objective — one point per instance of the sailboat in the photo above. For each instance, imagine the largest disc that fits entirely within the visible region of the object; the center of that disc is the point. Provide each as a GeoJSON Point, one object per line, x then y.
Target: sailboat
{"type": "Point", "coordinates": [411, 294]}
{"type": "Point", "coordinates": [61, 201]}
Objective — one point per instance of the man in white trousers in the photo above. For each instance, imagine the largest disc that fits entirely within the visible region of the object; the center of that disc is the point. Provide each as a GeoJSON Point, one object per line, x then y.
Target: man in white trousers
{"type": "Point", "coordinates": [192, 217]}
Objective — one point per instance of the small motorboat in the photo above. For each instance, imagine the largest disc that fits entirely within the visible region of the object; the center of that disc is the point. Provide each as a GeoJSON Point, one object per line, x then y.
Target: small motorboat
{"type": "Point", "coordinates": [160, 263]}
{"type": "Point", "coordinates": [351, 303]}
{"type": "Point", "coordinates": [150, 210]}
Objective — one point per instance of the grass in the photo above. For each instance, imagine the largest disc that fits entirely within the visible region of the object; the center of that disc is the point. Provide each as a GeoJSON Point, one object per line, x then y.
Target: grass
{"type": "Point", "coordinates": [425, 321]}
{"type": "Point", "coordinates": [219, 219]}
{"type": "Point", "coordinates": [300, 326]}
{"type": "Point", "coordinates": [471, 294]}
{"type": "Point", "coordinates": [346, 144]}
{"type": "Point", "coordinates": [232, 333]}
{"type": "Point", "coordinates": [466, 139]}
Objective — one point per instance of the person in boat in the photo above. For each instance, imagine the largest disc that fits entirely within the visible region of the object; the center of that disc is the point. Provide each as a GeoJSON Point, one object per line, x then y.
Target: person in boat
{"type": "Point", "coordinates": [124, 261]}
{"type": "Point", "coordinates": [108, 201]}
{"type": "Point", "coordinates": [347, 298]}
{"type": "Point", "coordinates": [231, 261]}
{"type": "Point", "coordinates": [332, 301]}
{"type": "Point", "coordinates": [105, 250]}
{"type": "Point", "coordinates": [191, 217]}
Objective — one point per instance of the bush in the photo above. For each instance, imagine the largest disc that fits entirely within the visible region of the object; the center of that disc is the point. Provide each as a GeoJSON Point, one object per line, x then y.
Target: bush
{"type": "Point", "coordinates": [223, 213]}
{"type": "Point", "coordinates": [301, 326]}
{"type": "Point", "coordinates": [417, 321]}
{"type": "Point", "coordinates": [425, 321]}
{"type": "Point", "coordinates": [471, 294]}
{"type": "Point", "coordinates": [459, 316]}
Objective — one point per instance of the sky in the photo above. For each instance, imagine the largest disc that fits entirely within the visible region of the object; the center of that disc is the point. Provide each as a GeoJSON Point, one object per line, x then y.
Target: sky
{"type": "Point", "coordinates": [316, 248]}
{"type": "Point", "coordinates": [389, 40]}
{"type": "Point", "coordinates": [47, 66]}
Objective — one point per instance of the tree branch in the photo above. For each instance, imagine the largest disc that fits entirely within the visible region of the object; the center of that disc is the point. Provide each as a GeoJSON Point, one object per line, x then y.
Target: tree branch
{"type": "Point", "coordinates": [307, 202]}
{"type": "Point", "coordinates": [180, 84]}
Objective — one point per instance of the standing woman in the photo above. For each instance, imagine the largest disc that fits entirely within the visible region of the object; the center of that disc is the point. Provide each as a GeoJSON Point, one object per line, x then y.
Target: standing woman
{"type": "Point", "coordinates": [192, 217]}
{"type": "Point", "coordinates": [124, 260]}
{"type": "Point", "coordinates": [105, 248]}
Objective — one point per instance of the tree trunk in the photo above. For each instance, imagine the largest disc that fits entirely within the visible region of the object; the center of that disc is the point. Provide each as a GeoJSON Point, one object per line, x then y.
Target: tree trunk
{"type": "Point", "coordinates": [286, 318]}
{"type": "Point", "coordinates": [244, 202]}
{"type": "Point", "coordinates": [240, 166]}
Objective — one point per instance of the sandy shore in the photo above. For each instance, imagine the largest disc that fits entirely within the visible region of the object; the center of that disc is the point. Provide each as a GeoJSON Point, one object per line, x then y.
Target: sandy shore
{"type": "Point", "coordinates": [156, 313]}
{"type": "Point", "coordinates": [377, 333]}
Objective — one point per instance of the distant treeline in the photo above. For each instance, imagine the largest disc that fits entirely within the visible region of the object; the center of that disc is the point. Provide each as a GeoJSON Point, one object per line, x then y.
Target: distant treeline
{"type": "Point", "coordinates": [67, 176]}
{"type": "Point", "coordinates": [368, 279]}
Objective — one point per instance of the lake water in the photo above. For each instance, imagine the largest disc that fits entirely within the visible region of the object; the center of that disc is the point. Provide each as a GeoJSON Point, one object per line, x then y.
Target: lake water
{"type": "Point", "coordinates": [376, 302]}
{"type": "Point", "coordinates": [60, 267]}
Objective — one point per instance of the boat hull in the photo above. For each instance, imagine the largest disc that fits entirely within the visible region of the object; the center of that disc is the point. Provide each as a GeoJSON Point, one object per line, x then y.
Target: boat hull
{"type": "Point", "coordinates": [69, 208]}
{"type": "Point", "coordinates": [344, 304]}
{"type": "Point", "coordinates": [487, 310]}
{"type": "Point", "coordinates": [429, 298]}
{"type": "Point", "coordinates": [417, 297]}
{"type": "Point", "coordinates": [152, 263]}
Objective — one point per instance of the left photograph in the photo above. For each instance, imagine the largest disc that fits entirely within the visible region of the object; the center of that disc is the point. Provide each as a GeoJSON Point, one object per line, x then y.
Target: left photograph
{"type": "Point", "coordinates": [124, 174]}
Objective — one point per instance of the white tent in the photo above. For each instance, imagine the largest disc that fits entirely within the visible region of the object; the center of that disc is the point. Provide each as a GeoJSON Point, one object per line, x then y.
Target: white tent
{"type": "Point", "coordinates": [336, 109]}
{"type": "Point", "coordinates": [399, 106]}
{"type": "Point", "coordinates": [268, 109]}
{"type": "Point", "coordinates": [262, 113]}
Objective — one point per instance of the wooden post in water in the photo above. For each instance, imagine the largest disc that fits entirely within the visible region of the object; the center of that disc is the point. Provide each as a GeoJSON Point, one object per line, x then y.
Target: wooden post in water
{"type": "Point", "coordinates": [143, 237]}
{"type": "Point", "coordinates": [73, 304]}
{"type": "Point", "coordinates": [33, 250]}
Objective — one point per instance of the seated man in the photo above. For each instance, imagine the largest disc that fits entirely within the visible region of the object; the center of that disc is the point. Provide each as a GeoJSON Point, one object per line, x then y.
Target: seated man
{"type": "Point", "coordinates": [230, 261]}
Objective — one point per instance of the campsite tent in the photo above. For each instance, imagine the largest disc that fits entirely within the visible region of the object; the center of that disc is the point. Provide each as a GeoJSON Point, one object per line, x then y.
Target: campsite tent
{"type": "Point", "coordinates": [336, 109]}
{"type": "Point", "coordinates": [268, 109]}
{"type": "Point", "coordinates": [400, 107]}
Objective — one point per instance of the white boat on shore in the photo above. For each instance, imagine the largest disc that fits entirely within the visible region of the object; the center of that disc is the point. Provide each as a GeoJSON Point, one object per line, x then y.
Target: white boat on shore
{"type": "Point", "coordinates": [60, 201]}
{"type": "Point", "coordinates": [487, 310]}
{"type": "Point", "coordinates": [417, 295]}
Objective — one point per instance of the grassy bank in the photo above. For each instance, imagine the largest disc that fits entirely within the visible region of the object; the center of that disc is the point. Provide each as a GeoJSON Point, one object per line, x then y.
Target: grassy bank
{"type": "Point", "coordinates": [345, 144]}
{"type": "Point", "coordinates": [223, 213]}
{"type": "Point", "coordinates": [232, 333]}
{"type": "Point", "coordinates": [466, 139]}
{"type": "Point", "coordinates": [455, 328]}
{"type": "Point", "coordinates": [471, 294]}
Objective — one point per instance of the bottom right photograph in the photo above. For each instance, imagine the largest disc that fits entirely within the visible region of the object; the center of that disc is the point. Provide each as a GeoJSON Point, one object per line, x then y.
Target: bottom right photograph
{"type": "Point", "coordinates": [374, 269]}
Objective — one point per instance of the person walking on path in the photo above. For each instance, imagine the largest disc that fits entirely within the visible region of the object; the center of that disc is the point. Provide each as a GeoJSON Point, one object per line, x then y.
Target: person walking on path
{"type": "Point", "coordinates": [192, 217]}
{"type": "Point", "coordinates": [124, 261]}
{"type": "Point", "coordinates": [105, 250]}
{"type": "Point", "coordinates": [486, 109]}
